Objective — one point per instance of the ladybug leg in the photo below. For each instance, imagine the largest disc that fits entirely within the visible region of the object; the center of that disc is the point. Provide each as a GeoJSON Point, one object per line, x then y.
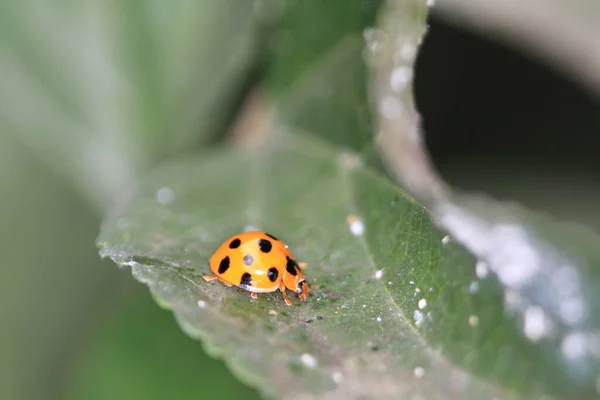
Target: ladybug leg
{"type": "Point", "coordinates": [254, 295]}
{"type": "Point", "coordinates": [284, 294]}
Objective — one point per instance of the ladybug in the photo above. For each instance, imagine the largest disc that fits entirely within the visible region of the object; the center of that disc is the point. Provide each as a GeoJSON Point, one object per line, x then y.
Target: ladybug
{"type": "Point", "coordinates": [259, 263]}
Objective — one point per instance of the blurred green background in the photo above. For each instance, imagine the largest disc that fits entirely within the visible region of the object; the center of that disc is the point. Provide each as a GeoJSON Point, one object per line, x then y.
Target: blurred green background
{"type": "Point", "coordinates": [93, 93]}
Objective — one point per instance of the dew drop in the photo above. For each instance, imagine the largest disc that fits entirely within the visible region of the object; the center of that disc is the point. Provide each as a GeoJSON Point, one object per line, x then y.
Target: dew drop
{"type": "Point", "coordinates": [202, 304]}
{"type": "Point", "coordinates": [379, 274]}
{"type": "Point", "coordinates": [422, 304]}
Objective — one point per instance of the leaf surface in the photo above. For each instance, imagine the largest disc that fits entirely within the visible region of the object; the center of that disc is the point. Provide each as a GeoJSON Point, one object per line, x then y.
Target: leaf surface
{"type": "Point", "coordinates": [355, 336]}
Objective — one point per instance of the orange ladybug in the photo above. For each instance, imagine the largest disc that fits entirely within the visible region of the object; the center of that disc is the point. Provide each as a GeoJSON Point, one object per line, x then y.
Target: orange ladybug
{"type": "Point", "coordinates": [259, 263]}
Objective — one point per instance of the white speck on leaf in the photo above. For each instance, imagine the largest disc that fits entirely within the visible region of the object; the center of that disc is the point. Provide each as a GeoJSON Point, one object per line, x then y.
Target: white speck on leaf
{"type": "Point", "coordinates": [574, 345]}
{"type": "Point", "coordinates": [337, 377]}
{"type": "Point", "coordinates": [369, 34]}
{"type": "Point", "coordinates": [419, 372]}
{"type": "Point", "coordinates": [430, 3]}
{"type": "Point", "coordinates": [512, 300]}
{"type": "Point", "coordinates": [508, 248]}
{"type": "Point", "coordinates": [350, 161]}
{"type": "Point", "coordinates": [356, 225]}
{"type": "Point", "coordinates": [378, 319]}
{"type": "Point", "coordinates": [565, 281]}
{"type": "Point", "coordinates": [474, 287]}
{"type": "Point", "coordinates": [481, 269]}
{"type": "Point", "coordinates": [400, 77]}
{"type": "Point", "coordinates": [411, 282]}
{"type": "Point", "coordinates": [445, 239]}
{"type": "Point", "coordinates": [419, 317]}
{"type": "Point", "coordinates": [250, 228]}
{"type": "Point", "coordinates": [473, 320]}
{"type": "Point", "coordinates": [572, 310]}
{"type": "Point", "coordinates": [309, 360]}
{"type": "Point", "coordinates": [390, 107]}
{"type": "Point", "coordinates": [379, 274]}
{"type": "Point", "coordinates": [165, 196]}
{"type": "Point", "coordinates": [536, 324]}
{"type": "Point", "coordinates": [422, 304]}
{"type": "Point", "coordinates": [202, 304]}
{"type": "Point", "coordinates": [405, 53]}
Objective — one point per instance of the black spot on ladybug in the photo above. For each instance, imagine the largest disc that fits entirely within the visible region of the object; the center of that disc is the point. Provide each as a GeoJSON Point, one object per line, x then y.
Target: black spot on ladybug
{"type": "Point", "coordinates": [224, 265]}
{"type": "Point", "coordinates": [272, 274]}
{"type": "Point", "coordinates": [246, 279]}
{"type": "Point", "coordinates": [290, 267]}
{"type": "Point", "coordinates": [235, 243]}
{"type": "Point", "coordinates": [248, 260]}
{"type": "Point", "coordinates": [264, 245]}
{"type": "Point", "coordinates": [271, 236]}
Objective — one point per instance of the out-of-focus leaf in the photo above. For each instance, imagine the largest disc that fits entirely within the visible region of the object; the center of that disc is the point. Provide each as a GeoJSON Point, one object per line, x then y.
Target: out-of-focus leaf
{"type": "Point", "coordinates": [138, 352]}
{"type": "Point", "coordinates": [100, 90]}
{"type": "Point", "coordinates": [51, 275]}
{"type": "Point", "coordinates": [317, 73]}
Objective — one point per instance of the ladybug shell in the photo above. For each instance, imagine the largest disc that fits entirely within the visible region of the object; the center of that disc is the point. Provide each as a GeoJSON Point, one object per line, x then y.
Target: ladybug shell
{"type": "Point", "coordinates": [254, 261]}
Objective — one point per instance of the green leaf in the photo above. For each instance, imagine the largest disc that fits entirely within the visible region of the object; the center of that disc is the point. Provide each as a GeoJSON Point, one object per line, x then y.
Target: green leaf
{"type": "Point", "coordinates": [532, 288]}
{"type": "Point", "coordinates": [317, 74]}
{"type": "Point", "coordinates": [138, 352]}
{"type": "Point", "coordinates": [117, 86]}
{"type": "Point", "coordinates": [355, 336]}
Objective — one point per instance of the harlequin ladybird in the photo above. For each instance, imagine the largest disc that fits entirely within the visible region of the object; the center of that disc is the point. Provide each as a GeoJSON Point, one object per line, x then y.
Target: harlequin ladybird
{"type": "Point", "coordinates": [259, 263]}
